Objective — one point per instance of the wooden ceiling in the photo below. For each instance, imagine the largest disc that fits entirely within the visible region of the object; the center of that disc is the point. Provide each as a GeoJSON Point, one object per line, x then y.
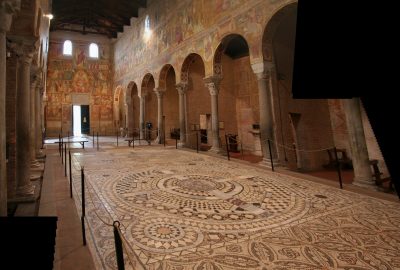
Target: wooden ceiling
{"type": "Point", "coordinates": [104, 17]}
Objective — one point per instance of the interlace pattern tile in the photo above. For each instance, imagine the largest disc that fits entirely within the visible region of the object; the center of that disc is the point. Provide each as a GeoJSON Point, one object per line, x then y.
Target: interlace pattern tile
{"type": "Point", "coordinates": [182, 210]}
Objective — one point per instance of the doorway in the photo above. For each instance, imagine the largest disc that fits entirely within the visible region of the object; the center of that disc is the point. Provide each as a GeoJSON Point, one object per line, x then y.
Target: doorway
{"type": "Point", "coordinates": [80, 120]}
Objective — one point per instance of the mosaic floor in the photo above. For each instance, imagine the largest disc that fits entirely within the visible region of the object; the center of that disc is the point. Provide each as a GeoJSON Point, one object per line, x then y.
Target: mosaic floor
{"type": "Point", "coordinates": [182, 210]}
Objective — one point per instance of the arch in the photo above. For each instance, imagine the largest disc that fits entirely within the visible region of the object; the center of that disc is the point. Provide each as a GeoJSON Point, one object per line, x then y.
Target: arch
{"type": "Point", "coordinates": [162, 80]}
{"type": "Point", "coordinates": [186, 66]}
{"type": "Point", "coordinates": [226, 44]}
{"type": "Point", "coordinates": [131, 89]}
{"type": "Point", "coordinates": [271, 27]}
{"type": "Point", "coordinates": [146, 79]}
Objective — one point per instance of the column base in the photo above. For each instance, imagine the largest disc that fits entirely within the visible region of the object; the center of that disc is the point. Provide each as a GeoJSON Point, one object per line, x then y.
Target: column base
{"type": "Point", "coordinates": [181, 144]}
{"type": "Point", "coordinates": [40, 154]}
{"type": "Point", "coordinates": [216, 150]}
{"type": "Point", "coordinates": [35, 163]}
{"type": "Point", "coordinates": [266, 162]}
{"type": "Point", "coordinates": [27, 190]}
{"type": "Point", "coordinates": [35, 176]}
{"type": "Point", "coordinates": [365, 183]}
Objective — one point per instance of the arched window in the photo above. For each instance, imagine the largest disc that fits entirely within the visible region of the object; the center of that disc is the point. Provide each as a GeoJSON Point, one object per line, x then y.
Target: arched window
{"type": "Point", "coordinates": [67, 49]}
{"type": "Point", "coordinates": [94, 50]}
{"type": "Point", "coordinates": [147, 24]}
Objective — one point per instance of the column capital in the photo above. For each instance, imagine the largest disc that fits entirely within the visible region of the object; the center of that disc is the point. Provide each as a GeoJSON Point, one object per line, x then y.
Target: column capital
{"type": "Point", "coordinates": [212, 83]}
{"type": "Point", "coordinates": [36, 75]}
{"type": "Point", "coordinates": [159, 92]}
{"type": "Point", "coordinates": [24, 47]}
{"type": "Point", "coordinates": [7, 9]}
{"type": "Point", "coordinates": [265, 68]}
{"type": "Point", "coordinates": [182, 87]}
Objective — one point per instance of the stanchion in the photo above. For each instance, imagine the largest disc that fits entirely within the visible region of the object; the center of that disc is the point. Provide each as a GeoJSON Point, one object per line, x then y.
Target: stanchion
{"type": "Point", "coordinates": [97, 140]}
{"type": "Point", "coordinates": [117, 138]}
{"type": "Point", "coordinates": [295, 152]}
{"type": "Point", "coordinates": [68, 140]}
{"type": "Point", "coordinates": [338, 168]}
{"type": "Point", "coordinates": [227, 147]}
{"type": "Point", "coordinates": [65, 159]}
{"type": "Point", "coordinates": [83, 205]}
{"type": "Point", "coordinates": [118, 246]}
{"type": "Point", "coordinates": [270, 155]}
{"type": "Point", "coordinates": [93, 139]}
{"type": "Point", "coordinates": [197, 141]}
{"type": "Point", "coordinates": [59, 144]}
{"type": "Point", "coordinates": [62, 151]}
{"type": "Point", "coordinates": [176, 142]}
{"type": "Point", "coordinates": [70, 174]}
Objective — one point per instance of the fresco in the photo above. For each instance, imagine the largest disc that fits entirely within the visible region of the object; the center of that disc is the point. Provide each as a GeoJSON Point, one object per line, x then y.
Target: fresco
{"type": "Point", "coordinates": [78, 74]}
{"type": "Point", "coordinates": [184, 27]}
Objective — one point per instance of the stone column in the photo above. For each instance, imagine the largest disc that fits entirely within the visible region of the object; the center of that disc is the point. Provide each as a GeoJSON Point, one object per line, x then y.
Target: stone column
{"type": "Point", "coordinates": [7, 9]}
{"type": "Point", "coordinates": [160, 108]}
{"type": "Point", "coordinates": [212, 84]}
{"type": "Point", "coordinates": [38, 122]}
{"type": "Point", "coordinates": [358, 144]}
{"type": "Point", "coordinates": [263, 73]}
{"type": "Point", "coordinates": [141, 115]}
{"type": "Point", "coordinates": [182, 87]}
{"type": "Point", "coordinates": [25, 49]}
{"type": "Point", "coordinates": [35, 80]}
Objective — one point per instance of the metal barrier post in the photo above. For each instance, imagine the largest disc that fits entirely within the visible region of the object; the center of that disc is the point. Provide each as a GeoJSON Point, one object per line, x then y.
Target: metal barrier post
{"type": "Point", "coordinates": [117, 138]}
{"type": "Point", "coordinates": [270, 155]}
{"type": "Point", "coordinates": [65, 159]}
{"type": "Point", "coordinates": [83, 205]}
{"type": "Point", "coordinates": [97, 140]}
{"type": "Point", "coordinates": [62, 150]}
{"type": "Point", "coordinates": [176, 142]}
{"type": "Point", "coordinates": [93, 139]}
{"type": "Point", "coordinates": [59, 144]}
{"type": "Point", "coordinates": [338, 168]}
{"type": "Point", "coordinates": [227, 147]}
{"type": "Point", "coordinates": [70, 174]}
{"type": "Point", "coordinates": [118, 246]}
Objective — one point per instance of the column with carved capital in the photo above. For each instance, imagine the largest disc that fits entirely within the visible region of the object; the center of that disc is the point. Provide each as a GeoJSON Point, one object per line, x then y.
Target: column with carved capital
{"type": "Point", "coordinates": [35, 80]}
{"type": "Point", "coordinates": [182, 87]}
{"type": "Point", "coordinates": [212, 84]}
{"type": "Point", "coordinates": [358, 144]}
{"type": "Point", "coordinates": [263, 73]}
{"type": "Point", "coordinates": [25, 48]}
{"type": "Point", "coordinates": [141, 115]}
{"type": "Point", "coordinates": [160, 93]}
{"type": "Point", "coordinates": [38, 120]}
{"type": "Point", "coordinates": [7, 9]}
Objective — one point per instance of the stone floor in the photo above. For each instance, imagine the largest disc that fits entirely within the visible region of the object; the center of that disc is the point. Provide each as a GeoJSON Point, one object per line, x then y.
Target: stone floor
{"type": "Point", "coordinates": [182, 210]}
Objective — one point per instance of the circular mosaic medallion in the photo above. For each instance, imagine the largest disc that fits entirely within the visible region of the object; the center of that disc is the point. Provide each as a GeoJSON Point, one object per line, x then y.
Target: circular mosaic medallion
{"type": "Point", "coordinates": [164, 235]}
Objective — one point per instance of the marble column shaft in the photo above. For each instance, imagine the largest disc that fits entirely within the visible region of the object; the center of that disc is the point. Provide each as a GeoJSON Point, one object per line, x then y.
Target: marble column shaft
{"type": "Point", "coordinates": [182, 87]}
{"type": "Point", "coordinates": [25, 55]}
{"type": "Point", "coordinates": [141, 115]}
{"type": "Point", "coordinates": [7, 9]}
{"type": "Point", "coordinates": [160, 110]}
{"type": "Point", "coordinates": [358, 145]}
{"type": "Point", "coordinates": [212, 84]}
{"type": "Point", "coordinates": [266, 117]}
{"type": "Point", "coordinates": [32, 136]}
{"type": "Point", "coordinates": [38, 124]}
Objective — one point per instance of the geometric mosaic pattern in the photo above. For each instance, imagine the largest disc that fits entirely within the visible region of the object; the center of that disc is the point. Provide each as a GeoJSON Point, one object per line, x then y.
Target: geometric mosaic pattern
{"type": "Point", "coordinates": [182, 210]}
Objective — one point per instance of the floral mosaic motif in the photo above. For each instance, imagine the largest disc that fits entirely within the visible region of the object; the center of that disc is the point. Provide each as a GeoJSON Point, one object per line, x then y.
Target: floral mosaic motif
{"type": "Point", "coordinates": [215, 215]}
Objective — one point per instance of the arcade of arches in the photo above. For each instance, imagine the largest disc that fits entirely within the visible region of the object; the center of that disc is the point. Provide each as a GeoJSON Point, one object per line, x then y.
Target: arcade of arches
{"type": "Point", "coordinates": [206, 70]}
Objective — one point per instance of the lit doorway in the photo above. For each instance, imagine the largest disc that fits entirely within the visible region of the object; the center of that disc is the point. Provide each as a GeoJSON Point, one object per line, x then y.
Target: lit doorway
{"type": "Point", "coordinates": [80, 122]}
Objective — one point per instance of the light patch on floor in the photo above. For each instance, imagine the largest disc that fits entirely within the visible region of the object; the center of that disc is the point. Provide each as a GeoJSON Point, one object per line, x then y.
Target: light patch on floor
{"type": "Point", "coordinates": [182, 210]}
